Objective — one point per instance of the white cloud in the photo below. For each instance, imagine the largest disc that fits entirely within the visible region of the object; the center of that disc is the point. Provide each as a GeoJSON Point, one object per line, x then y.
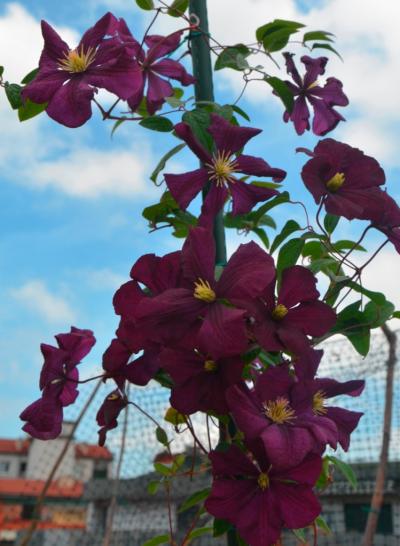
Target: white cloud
{"type": "Point", "coordinates": [35, 296]}
{"type": "Point", "coordinates": [104, 279]}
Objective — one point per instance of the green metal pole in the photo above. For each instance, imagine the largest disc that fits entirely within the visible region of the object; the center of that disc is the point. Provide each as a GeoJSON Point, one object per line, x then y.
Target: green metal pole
{"type": "Point", "coordinates": [204, 90]}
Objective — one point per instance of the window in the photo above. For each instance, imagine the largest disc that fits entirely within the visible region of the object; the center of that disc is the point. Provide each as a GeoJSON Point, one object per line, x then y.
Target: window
{"type": "Point", "coordinates": [356, 518]}
{"type": "Point", "coordinates": [4, 467]}
{"type": "Point", "coordinates": [28, 511]}
{"type": "Point", "coordinates": [100, 473]}
{"type": "Point", "coordinates": [22, 468]}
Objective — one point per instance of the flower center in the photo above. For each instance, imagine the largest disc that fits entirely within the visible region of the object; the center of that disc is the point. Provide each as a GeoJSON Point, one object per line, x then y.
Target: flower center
{"type": "Point", "coordinates": [203, 291]}
{"type": "Point", "coordinates": [210, 366]}
{"type": "Point", "coordinates": [113, 396]}
{"type": "Point", "coordinates": [279, 411]}
{"type": "Point", "coordinates": [221, 169]}
{"type": "Point", "coordinates": [313, 84]}
{"type": "Point", "coordinates": [77, 61]}
{"type": "Point", "coordinates": [335, 182]}
{"type": "Point", "coordinates": [319, 403]}
{"type": "Point", "coordinates": [263, 481]}
{"type": "Point", "coordinates": [279, 312]}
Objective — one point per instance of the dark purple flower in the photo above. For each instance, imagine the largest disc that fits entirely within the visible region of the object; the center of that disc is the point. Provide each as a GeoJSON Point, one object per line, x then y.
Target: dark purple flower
{"type": "Point", "coordinates": [260, 500]}
{"type": "Point", "coordinates": [107, 416]}
{"type": "Point", "coordinates": [68, 78]}
{"type": "Point", "coordinates": [153, 68]}
{"type": "Point", "coordinates": [387, 220]}
{"type": "Point", "coordinates": [285, 321]}
{"type": "Point", "coordinates": [221, 169]}
{"type": "Point", "coordinates": [280, 413]}
{"type": "Point", "coordinates": [58, 383]}
{"type": "Point", "coordinates": [202, 306]}
{"type": "Point", "coordinates": [345, 179]}
{"type": "Point", "coordinates": [320, 390]}
{"type": "Point", "coordinates": [200, 380]}
{"type": "Point", "coordinates": [322, 99]}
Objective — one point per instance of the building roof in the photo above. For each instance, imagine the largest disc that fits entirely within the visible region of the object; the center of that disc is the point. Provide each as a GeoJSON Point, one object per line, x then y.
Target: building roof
{"type": "Point", "coordinates": [17, 447]}
{"type": "Point", "coordinates": [20, 487]}
{"type": "Point", "coordinates": [92, 451]}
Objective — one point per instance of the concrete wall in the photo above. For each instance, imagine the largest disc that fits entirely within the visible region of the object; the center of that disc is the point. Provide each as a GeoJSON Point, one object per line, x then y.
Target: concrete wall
{"type": "Point", "coordinates": [14, 461]}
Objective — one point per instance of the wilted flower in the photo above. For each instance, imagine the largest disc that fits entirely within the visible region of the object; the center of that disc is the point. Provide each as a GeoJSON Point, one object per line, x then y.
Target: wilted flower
{"type": "Point", "coordinates": [107, 416]}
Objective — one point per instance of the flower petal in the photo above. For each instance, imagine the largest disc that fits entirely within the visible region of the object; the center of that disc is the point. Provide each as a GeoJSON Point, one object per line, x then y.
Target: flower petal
{"type": "Point", "coordinates": [184, 132]}
{"type": "Point", "coordinates": [325, 117]}
{"type": "Point", "coordinates": [300, 115]}
{"type": "Point", "coordinates": [158, 274]}
{"type": "Point", "coordinates": [43, 87]}
{"type": "Point", "coordinates": [94, 35]}
{"type": "Point", "coordinates": [298, 285]}
{"type": "Point", "coordinates": [123, 77]}
{"type": "Point", "coordinates": [298, 505]}
{"type": "Point", "coordinates": [54, 47]}
{"type": "Point", "coordinates": [198, 256]}
{"type": "Point", "coordinates": [291, 68]}
{"type": "Point", "coordinates": [185, 187]}
{"type": "Point", "coordinates": [159, 46]}
{"type": "Point", "coordinates": [157, 90]}
{"type": "Point", "coordinates": [314, 68]}
{"type": "Point", "coordinates": [173, 69]}
{"type": "Point", "coordinates": [346, 421]}
{"type": "Point", "coordinates": [313, 318]}
{"type": "Point", "coordinates": [232, 462]}
{"type": "Point", "coordinates": [248, 164]}
{"type": "Point", "coordinates": [142, 369]}
{"type": "Point", "coordinates": [71, 104]}
{"type": "Point", "coordinates": [245, 196]}
{"type": "Point", "coordinates": [331, 93]}
{"type": "Point", "coordinates": [229, 138]}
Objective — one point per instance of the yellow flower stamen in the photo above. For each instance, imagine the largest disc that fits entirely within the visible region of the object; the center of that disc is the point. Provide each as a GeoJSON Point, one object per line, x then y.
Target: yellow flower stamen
{"type": "Point", "coordinates": [279, 312]}
{"type": "Point", "coordinates": [77, 60]}
{"type": "Point", "coordinates": [336, 182]}
{"type": "Point", "coordinates": [319, 403]}
{"type": "Point", "coordinates": [203, 291]}
{"type": "Point", "coordinates": [113, 396]}
{"type": "Point", "coordinates": [263, 481]}
{"type": "Point", "coordinates": [221, 169]}
{"type": "Point", "coordinates": [279, 411]}
{"type": "Point", "coordinates": [313, 84]}
{"type": "Point", "coordinates": [210, 366]}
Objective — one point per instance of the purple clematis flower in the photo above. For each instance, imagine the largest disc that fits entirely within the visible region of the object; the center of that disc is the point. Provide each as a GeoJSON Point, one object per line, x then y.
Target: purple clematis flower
{"type": "Point", "coordinates": [68, 78]}
{"type": "Point", "coordinates": [221, 169]}
{"type": "Point", "coordinates": [281, 414]}
{"type": "Point", "coordinates": [200, 380]}
{"type": "Point", "coordinates": [320, 390]}
{"type": "Point", "coordinates": [153, 68]}
{"type": "Point", "coordinates": [259, 499]}
{"type": "Point", "coordinates": [322, 99]}
{"type": "Point", "coordinates": [202, 308]}
{"type": "Point", "coordinates": [58, 383]}
{"type": "Point", "coordinates": [345, 179]}
{"type": "Point", "coordinates": [107, 416]}
{"type": "Point", "coordinates": [388, 220]}
{"type": "Point", "coordinates": [285, 321]}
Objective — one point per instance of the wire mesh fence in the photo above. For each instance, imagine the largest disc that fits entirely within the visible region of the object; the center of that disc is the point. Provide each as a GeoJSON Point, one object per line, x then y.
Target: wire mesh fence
{"type": "Point", "coordinates": [87, 503]}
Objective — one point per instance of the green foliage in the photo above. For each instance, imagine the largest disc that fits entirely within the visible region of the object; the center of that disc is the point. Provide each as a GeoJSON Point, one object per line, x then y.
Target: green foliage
{"type": "Point", "coordinates": [282, 91]}
{"type": "Point", "coordinates": [345, 469]}
{"type": "Point", "coordinates": [157, 123]}
{"type": "Point", "coordinates": [30, 76]}
{"type": "Point", "coordinates": [178, 7]}
{"type": "Point", "coordinates": [160, 539]}
{"type": "Point", "coordinates": [352, 323]}
{"type": "Point", "coordinates": [300, 534]}
{"type": "Point", "coordinates": [318, 35]}
{"type": "Point", "coordinates": [275, 35]}
{"type": "Point", "coordinates": [167, 211]}
{"type": "Point", "coordinates": [321, 524]}
{"type": "Point", "coordinates": [330, 222]}
{"type": "Point", "coordinates": [13, 94]}
{"type": "Point", "coordinates": [199, 120]}
{"type": "Point", "coordinates": [117, 124]}
{"type": "Point", "coordinates": [30, 109]}
{"type": "Point", "coordinates": [290, 227]}
{"type": "Point", "coordinates": [145, 4]}
{"type": "Point", "coordinates": [221, 526]}
{"type": "Point", "coordinates": [289, 254]}
{"type": "Point", "coordinates": [199, 532]}
{"type": "Point", "coordinates": [163, 161]}
{"type": "Point", "coordinates": [327, 46]}
{"type": "Point", "coordinates": [152, 487]}
{"type": "Point", "coordinates": [1, 71]}
{"type": "Point", "coordinates": [240, 112]}
{"type": "Point", "coordinates": [196, 498]}
{"type": "Point", "coordinates": [163, 469]}
{"type": "Point", "coordinates": [233, 57]}
{"type": "Point", "coordinates": [161, 436]}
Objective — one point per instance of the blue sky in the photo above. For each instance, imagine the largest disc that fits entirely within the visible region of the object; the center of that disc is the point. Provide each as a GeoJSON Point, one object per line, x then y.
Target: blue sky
{"type": "Point", "coordinates": [71, 224]}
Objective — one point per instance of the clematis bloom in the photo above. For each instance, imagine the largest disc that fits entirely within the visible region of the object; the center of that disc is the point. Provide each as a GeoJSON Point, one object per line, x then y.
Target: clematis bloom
{"type": "Point", "coordinates": [69, 78]}
{"type": "Point", "coordinates": [345, 179]}
{"type": "Point", "coordinates": [259, 499]}
{"type": "Point", "coordinates": [322, 99]}
{"type": "Point", "coordinates": [221, 168]}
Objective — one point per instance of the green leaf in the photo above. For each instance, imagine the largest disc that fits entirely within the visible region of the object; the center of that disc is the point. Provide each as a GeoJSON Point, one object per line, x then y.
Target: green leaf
{"type": "Point", "coordinates": [232, 57]}
{"type": "Point", "coordinates": [117, 124]}
{"type": "Point", "coordinates": [314, 249]}
{"type": "Point", "coordinates": [276, 25]}
{"type": "Point", "coordinates": [145, 4]}
{"type": "Point", "coordinates": [157, 123]}
{"type": "Point", "coordinates": [160, 539]}
{"type": "Point", "coordinates": [376, 315]}
{"type": "Point", "coordinates": [221, 526]}
{"type": "Point", "coordinates": [327, 46]}
{"type": "Point", "coordinates": [174, 417]}
{"type": "Point", "coordinates": [174, 102]}
{"type": "Point", "coordinates": [301, 535]}
{"type": "Point", "coordinates": [345, 469]}
{"type": "Point", "coordinates": [194, 499]}
{"type": "Point", "coordinates": [163, 161]}
{"type": "Point", "coordinates": [277, 40]}
{"type": "Point", "coordinates": [321, 523]}
{"type": "Point", "coordinates": [1, 71]}
{"type": "Point", "coordinates": [282, 90]}
{"type": "Point", "coordinates": [347, 245]}
{"type": "Point", "coordinates": [152, 487]}
{"type": "Point", "coordinates": [162, 469]}
{"type": "Point", "coordinates": [13, 93]}
{"type": "Point", "coordinates": [199, 120]}
{"type": "Point", "coordinates": [396, 314]}
{"type": "Point", "coordinates": [289, 254]}
{"type": "Point", "coordinates": [178, 7]}
{"type": "Point", "coordinates": [30, 109]}
{"type": "Point", "coordinates": [318, 35]}
{"type": "Point", "coordinates": [324, 477]}
{"type": "Point", "coordinates": [352, 324]}
{"type": "Point", "coordinates": [161, 436]}
{"type": "Point", "coordinates": [330, 222]}
{"type": "Point", "coordinates": [278, 200]}
{"type": "Point", "coordinates": [290, 227]}
{"type": "Point", "coordinates": [30, 76]}
{"type": "Point", "coordinates": [240, 112]}
{"type": "Point", "coordinates": [179, 460]}
{"type": "Point", "coordinates": [262, 235]}
{"type": "Point", "coordinates": [199, 532]}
